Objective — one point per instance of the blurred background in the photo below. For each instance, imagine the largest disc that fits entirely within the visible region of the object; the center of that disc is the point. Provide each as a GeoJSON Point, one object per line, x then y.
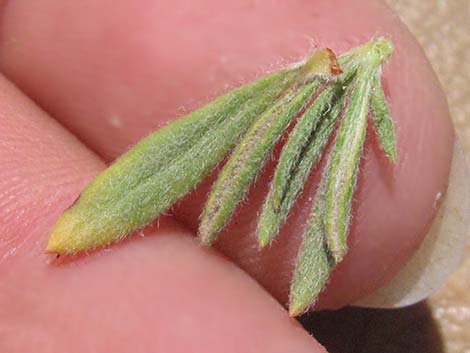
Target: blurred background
{"type": "Point", "coordinates": [442, 323]}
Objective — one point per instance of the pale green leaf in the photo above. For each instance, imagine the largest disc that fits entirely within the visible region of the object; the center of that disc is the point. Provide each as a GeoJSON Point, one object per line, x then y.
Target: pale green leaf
{"type": "Point", "coordinates": [342, 166]}
{"type": "Point", "coordinates": [382, 120]}
{"type": "Point", "coordinates": [314, 261]}
{"type": "Point", "coordinates": [247, 160]}
{"type": "Point", "coordinates": [299, 155]}
{"type": "Point", "coordinates": [161, 169]}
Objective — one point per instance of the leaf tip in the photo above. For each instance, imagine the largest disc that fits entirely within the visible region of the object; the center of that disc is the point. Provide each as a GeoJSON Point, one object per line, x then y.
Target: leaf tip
{"type": "Point", "coordinates": [383, 47]}
{"type": "Point", "coordinates": [61, 237]}
{"type": "Point", "coordinates": [265, 231]}
{"type": "Point", "coordinates": [297, 307]}
{"type": "Point", "coordinates": [338, 253]}
{"type": "Point", "coordinates": [336, 231]}
{"type": "Point", "coordinates": [53, 245]}
{"type": "Point", "coordinates": [276, 199]}
{"type": "Point", "coordinates": [392, 157]}
{"type": "Point", "coordinates": [206, 236]}
{"type": "Point", "coordinates": [72, 234]}
{"type": "Point", "coordinates": [263, 242]}
{"type": "Point", "coordinates": [337, 246]}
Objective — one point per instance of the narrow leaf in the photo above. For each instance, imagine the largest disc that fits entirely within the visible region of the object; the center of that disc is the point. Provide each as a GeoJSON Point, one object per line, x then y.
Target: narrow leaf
{"type": "Point", "coordinates": [314, 262]}
{"type": "Point", "coordinates": [299, 155]}
{"type": "Point", "coordinates": [296, 143]}
{"type": "Point", "coordinates": [160, 169]}
{"type": "Point", "coordinates": [326, 106]}
{"type": "Point", "coordinates": [342, 166]}
{"type": "Point", "coordinates": [382, 119]}
{"type": "Point", "coordinates": [324, 241]}
{"type": "Point", "coordinates": [247, 160]}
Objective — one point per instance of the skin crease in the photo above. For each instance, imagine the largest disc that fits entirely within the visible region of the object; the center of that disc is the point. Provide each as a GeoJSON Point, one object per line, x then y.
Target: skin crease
{"type": "Point", "coordinates": [113, 74]}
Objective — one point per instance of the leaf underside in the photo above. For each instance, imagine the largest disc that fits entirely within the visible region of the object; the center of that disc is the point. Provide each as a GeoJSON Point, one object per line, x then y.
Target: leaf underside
{"type": "Point", "coordinates": [316, 98]}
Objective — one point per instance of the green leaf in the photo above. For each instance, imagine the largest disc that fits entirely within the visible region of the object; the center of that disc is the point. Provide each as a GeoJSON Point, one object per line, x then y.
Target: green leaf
{"type": "Point", "coordinates": [168, 164]}
{"type": "Point", "coordinates": [316, 256]}
{"type": "Point", "coordinates": [342, 166]}
{"type": "Point", "coordinates": [297, 142]}
{"type": "Point", "coordinates": [382, 120]}
{"type": "Point", "coordinates": [314, 261]}
{"type": "Point", "coordinates": [324, 241]}
{"type": "Point", "coordinates": [161, 169]}
{"type": "Point", "coordinates": [247, 160]}
{"type": "Point", "coordinates": [299, 155]}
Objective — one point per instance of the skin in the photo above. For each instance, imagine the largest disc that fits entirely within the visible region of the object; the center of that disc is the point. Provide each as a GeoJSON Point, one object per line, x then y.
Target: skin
{"type": "Point", "coordinates": [109, 72]}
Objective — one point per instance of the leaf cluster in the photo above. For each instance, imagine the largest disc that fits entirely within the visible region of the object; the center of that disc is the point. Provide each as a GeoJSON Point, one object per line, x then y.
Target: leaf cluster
{"type": "Point", "coordinates": [324, 96]}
